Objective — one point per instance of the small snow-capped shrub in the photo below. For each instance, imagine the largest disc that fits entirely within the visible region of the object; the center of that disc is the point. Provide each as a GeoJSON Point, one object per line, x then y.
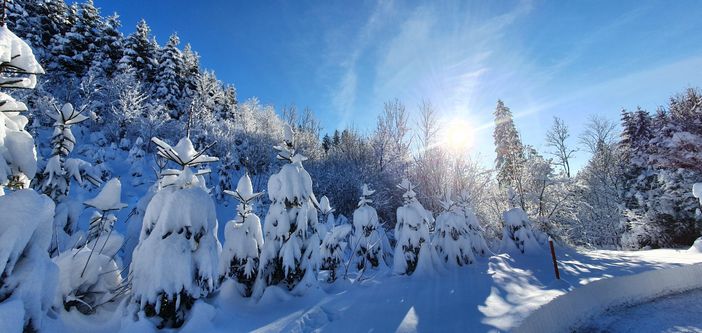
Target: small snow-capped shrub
{"type": "Point", "coordinates": [290, 253]}
{"type": "Point", "coordinates": [451, 239]}
{"type": "Point", "coordinates": [368, 235]}
{"type": "Point", "coordinates": [243, 239]}
{"type": "Point", "coordinates": [413, 248]}
{"type": "Point", "coordinates": [332, 251]}
{"type": "Point", "coordinates": [177, 259]}
{"type": "Point", "coordinates": [89, 276]}
{"type": "Point", "coordinates": [518, 234]}
{"type": "Point", "coordinates": [87, 279]}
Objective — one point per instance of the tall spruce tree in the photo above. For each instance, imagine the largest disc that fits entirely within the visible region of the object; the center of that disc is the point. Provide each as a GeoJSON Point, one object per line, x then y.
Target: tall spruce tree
{"type": "Point", "coordinates": [167, 89]}
{"type": "Point", "coordinates": [140, 53]}
{"type": "Point", "coordinates": [508, 148]}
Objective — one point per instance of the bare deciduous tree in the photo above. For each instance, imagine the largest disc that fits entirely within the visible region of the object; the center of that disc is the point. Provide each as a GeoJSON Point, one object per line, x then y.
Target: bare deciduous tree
{"type": "Point", "coordinates": [556, 139]}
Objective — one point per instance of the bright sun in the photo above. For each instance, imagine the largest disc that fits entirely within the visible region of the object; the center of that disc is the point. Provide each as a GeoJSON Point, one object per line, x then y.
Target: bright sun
{"type": "Point", "coordinates": [458, 136]}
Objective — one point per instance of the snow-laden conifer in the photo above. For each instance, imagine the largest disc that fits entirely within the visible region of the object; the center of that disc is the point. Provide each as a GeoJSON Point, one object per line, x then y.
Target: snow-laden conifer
{"type": "Point", "coordinates": [290, 253]}
{"type": "Point", "coordinates": [413, 248]}
{"type": "Point", "coordinates": [518, 235]}
{"type": "Point", "coordinates": [243, 239]}
{"type": "Point", "coordinates": [333, 249]}
{"type": "Point", "coordinates": [475, 231]}
{"type": "Point", "coordinates": [451, 239]}
{"type": "Point", "coordinates": [177, 259]}
{"type": "Point", "coordinates": [368, 234]}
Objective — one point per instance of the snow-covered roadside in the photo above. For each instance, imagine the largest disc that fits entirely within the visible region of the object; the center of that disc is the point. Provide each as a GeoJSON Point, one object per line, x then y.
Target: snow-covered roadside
{"type": "Point", "coordinates": [493, 294]}
{"type": "Point", "coordinates": [572, 309]}
{"type": "Point", "coordinates": [669, 314]}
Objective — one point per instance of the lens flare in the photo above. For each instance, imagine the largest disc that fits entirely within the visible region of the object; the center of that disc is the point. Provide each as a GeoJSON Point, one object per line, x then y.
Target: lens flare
{"type": "Point", "coordinates": [459, 136]}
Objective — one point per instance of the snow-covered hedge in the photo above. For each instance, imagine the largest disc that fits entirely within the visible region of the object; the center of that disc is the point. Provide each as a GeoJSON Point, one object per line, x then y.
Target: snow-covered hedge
{"type": "Point", "coordinates": [572, 309]}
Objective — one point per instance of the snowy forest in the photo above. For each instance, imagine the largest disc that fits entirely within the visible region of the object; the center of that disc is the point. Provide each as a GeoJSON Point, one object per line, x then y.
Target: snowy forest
{"type": "Point", "coordinates": [132, 178]}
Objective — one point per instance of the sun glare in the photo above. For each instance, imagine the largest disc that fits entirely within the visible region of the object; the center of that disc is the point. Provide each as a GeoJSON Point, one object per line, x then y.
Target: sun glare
{"type": "Point", "coordinates": [459, 135]}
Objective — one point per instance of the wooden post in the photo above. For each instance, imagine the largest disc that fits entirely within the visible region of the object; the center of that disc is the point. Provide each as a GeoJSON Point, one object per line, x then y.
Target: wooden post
{"type": "Point", "coordinates": [553, 256]}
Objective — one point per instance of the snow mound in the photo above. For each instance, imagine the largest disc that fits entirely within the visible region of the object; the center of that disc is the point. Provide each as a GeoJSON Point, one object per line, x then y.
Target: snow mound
{"type": "Point", "coordinates": [569, 310]}
{"type": "Point", "coordinates": [696, 246]}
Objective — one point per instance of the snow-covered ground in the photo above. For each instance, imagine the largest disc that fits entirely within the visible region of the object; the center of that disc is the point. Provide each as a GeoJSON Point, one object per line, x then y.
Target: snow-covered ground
{"type": "Point", "coordinates": [493, 294]}
{"type": "Point", "coordinates": [674, 313]}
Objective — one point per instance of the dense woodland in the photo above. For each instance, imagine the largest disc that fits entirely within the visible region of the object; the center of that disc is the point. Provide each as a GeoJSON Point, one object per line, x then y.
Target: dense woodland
{"type": "Point", "coordinates": [132, 97]}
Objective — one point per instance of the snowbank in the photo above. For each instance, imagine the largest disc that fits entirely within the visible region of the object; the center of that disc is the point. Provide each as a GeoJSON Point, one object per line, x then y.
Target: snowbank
{"type": "Point", "coordinates": [569, 310]}
{"type": "Point", "coordinates": [696, 246]}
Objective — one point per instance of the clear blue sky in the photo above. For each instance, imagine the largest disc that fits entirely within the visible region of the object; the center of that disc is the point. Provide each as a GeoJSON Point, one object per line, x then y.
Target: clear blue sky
{"type": "Point", "coordinates": [343, 59]}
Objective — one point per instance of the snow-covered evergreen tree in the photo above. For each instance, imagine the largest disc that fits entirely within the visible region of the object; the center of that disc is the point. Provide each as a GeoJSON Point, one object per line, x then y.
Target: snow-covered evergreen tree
{"type": "Point", "coordinates": [190, 71]}
{"type": "Point", "coordinates": [243, 239]}
{"type": "Point", "coordinates": [518, 235]}
{"type": "Point", "coordinates": [368, 234]}
{"type": "Point", "coordinates": [451, 238]}
{"type": "Point", "coordinates": [508, 148]}
{"type": "Point", "coordinates": [74, 50]}
{"type": "Point", "coordinates": [18, 69]}
{"type": "Point", "coordinates": [167, 89]}
{"type": "Point", "coordinates": [224, 173]}
{"type": "Point", "coordinates": [140, 53]}
{"type": "Point", "coordinates": [59, 168]}
{"type": "Point", "coordinates": [27, 276]}
{"type": "Point", "coordinates": [290, 253]}
{"type": "Point", "coordinates": [177, 259]}
{"type": "Point", "coordinates": [333, 248]}
{"type": "Point", "coordinates": [475, 231]}
{"type": "Point", "coordinates": [413, 250]}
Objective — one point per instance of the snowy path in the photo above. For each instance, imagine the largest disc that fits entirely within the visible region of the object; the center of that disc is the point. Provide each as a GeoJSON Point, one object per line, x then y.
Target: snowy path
{"type": "Point", "coordinates": [675, 313]}
{"type": "Point", "coordinates": [492, 295]}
